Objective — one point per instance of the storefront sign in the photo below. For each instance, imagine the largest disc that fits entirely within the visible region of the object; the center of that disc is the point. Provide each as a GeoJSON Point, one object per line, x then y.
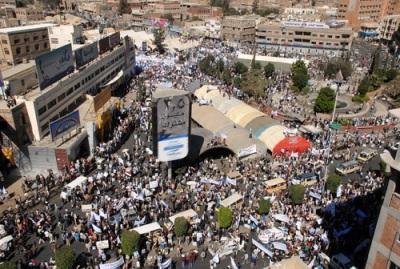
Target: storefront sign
{"type": "Point", "coordinates": [64, 124]}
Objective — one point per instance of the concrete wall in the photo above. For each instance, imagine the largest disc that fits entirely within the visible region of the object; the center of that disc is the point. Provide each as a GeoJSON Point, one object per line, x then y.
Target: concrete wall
{"type": "Point", "coordinates": [42, 158]}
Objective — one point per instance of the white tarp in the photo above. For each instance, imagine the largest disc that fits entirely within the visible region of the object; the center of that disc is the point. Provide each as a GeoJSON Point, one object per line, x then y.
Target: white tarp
{"type": "Point", "coordinates": [113, 265]}
{"type": "Point", "coordinates": [234, 198]}
{"type": "Point", "coordinates": [281, 217]}
{"type": "Point", "coordinates": [261, 247]}
{"type": "Point", "coordinates": [148, 228]}
{"type": "Point", "coordinates": [248, 151]}
{"type": "Point", "coordinates": [188, 214]}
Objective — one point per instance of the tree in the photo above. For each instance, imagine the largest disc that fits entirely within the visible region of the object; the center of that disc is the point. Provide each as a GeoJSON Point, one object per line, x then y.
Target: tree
{"type": "Point", "coordinates": [206, 65]}
{"type": "Point", "coordinates": [64, 257]}
{"type": "Point", "coordinates": [333, 67]}
{"type": "Point", "coordinates": [237, 81]}
{"type": "Point", "coordinates": [255, 6]}
{"type": "Point", "coordinates": [227, 77]}
{"type": "Point", "coordinates": [159, 37]}
{"type": "Point", "coordinates": [269, 70]}
{"type": "Point", "coordinates": [123, 7]}
{"type": "Point", "coordinates": [225, 217]}
{"type": "Point", "coordinates": [254, 83]}
{"type": "Point", "coordinates": [300, 75]}
{"type": "Point", "coordinates": [256, 65]}
{"type": "Point", "coordinates": [181, 226]}
{"type": "Point", "coordinates": [220, 66]}
{"type": "Point", "coordinates": [391, 74]}
{"type": "Point", "coordinates": [325, 101]}
{"type": "Point", "coordinates": [333, 182]}
{"type": "Point", "coordinates": [264, 206]}
{"type": "Point", "coordinates": [364, 86]}
{"type": "Point", "coordinates": [8, 265]}
{"type": "Point", "coordinates": [296, 193]}
{"type": "Point", "coordinates": [240, 68]}
{"type": "Point", "coordinates": [130, 242]}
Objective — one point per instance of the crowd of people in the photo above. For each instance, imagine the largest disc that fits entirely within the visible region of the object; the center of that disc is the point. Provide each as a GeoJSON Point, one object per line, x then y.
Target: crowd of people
{"type": "Point", "coordinates": [131, 188]}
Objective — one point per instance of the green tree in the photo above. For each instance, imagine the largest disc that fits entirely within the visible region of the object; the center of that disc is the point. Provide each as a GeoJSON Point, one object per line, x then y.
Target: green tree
{"type": "Point", "coordinates": [364, 86]}
{"type": "Point", "coordinates": [237, 81]}
{"type": "Point", "coordinates": [225, 217]}
{"type": "Point", "coordinates": [269, 70]}
{"type": "Point", "coordinates": [64, 257]}
{"type": "Point", "coordinates": [129, 242]}
{"type": "Point", "coordinates": [300, 75]}
{"type": "Point", "coordinates": [159, 37]}
{"type": "Point", "coordinates": [333, 67]}
{"type": "Point", "coordinates": [325, 101]}
{"type": "Point", "coordinates": [227, 77]}
{"type": "Point", "coordinates": [123, 7]}
{"type": "Point", "coordinates": [254, 83]}
{"type": "Point", "coordinates": [296, 193]}
{"type": "Point", "coordinates": [219, 65]}
{"type": "Point", "coordinates": [391, 74]}
{"type": "Point", "coordinates": [240, 68]}
{"type": "Point", "coordinates": [8, 265]}
{"type": "Point", "coordinates": [333, 182]}
{"type": "Point", "coordinates": [263, 206]}
{"type": "Point", "coordinates": [181, 226]}
{"type": "Point", "coordinates": [255, 6]}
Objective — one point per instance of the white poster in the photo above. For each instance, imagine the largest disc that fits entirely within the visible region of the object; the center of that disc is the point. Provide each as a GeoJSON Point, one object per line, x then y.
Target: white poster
{"type": "Point", "coordinates": [248, 151]}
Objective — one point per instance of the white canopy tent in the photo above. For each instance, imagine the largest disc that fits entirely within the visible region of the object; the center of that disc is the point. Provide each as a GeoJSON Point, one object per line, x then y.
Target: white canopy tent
{"type": "Point", "coordinates": [234, 198]}
{"type": "Point", "coordinates": [148, 228]}
{"type": "Point", "coordinates": [188, 214]}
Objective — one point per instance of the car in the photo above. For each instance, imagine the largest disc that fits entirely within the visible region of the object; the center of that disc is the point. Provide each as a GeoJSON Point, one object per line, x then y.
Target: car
{"type": "Point", "coordinates": [367, 155]}
{"type": "Point", "coordinates": [306, 179]}
{"type": "Point", "coordinates": [341, 261]}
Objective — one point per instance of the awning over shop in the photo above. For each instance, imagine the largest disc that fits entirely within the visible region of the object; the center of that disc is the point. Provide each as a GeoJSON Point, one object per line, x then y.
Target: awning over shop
{"type": "Point", "coordinates": [295, 144]}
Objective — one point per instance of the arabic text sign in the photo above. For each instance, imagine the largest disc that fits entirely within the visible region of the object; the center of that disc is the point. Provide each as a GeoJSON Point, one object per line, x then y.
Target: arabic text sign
{"type": "Point", "coordinates": [54, 65]}
{"type": "Point", "coordinates": [64, 124]}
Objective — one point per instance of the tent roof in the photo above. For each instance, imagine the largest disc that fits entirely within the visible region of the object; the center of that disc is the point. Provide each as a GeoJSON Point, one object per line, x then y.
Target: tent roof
{"type": "Point", "coordinates": [272, 136]}
{"type": "Point", "coordinates": [188, 214]}
{"type": "Point", "coordinates": [234, 198]}
{"type": "Point", "coordinates": [148, 228]}
{"type": "Point", "coordinates": [274, 181]}
{"type": "Point", "coordinates": [292, 144]}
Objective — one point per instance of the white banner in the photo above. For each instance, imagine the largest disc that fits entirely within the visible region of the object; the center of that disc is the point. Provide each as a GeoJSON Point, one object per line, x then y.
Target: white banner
{"type": "Point", "coordinates": [248, 151]}
{"type": "Point", "coordinates": [113, 265]}
{"type": "Point", "coordinates": [166, 264]}
{"type": "Point", "coordinates": [261, 247]}
{"type": "Point", "coordinates": [102, 244]}
{"type": "Point", "coordinates": [153, 184]}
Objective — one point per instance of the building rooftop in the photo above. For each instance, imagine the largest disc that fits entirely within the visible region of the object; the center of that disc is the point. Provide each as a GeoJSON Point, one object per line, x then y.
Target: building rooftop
{"type": "Point", "coordinates": [26, 28]}
{"type": "Point", "coordinates": [8, 73]}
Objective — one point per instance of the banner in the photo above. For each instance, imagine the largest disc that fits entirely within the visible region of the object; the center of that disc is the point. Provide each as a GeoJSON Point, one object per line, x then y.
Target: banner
{"type": "Point", "coordinates": [261, 247]}
{"type": "Point", "coordinates": [64, 124]}
{"type": "Point", "coordinates": [102, 244]}
{"type": "Point", "coordinates": [115, 39]}
{"type": "Point", "coordinates": [54, 65]}
{"type": "Point", "coordinates": [166, 264]}
{"type": "Point", "coordinates": [171, 121]}
{"type": "Point", "coordinates": [113, 265]}
{"type": "Point", "coordinates": [86, 54]}
{"type": "Point", "coordinates": [247, 151]}
{"type": "Point", "coordinates": [104, 44]}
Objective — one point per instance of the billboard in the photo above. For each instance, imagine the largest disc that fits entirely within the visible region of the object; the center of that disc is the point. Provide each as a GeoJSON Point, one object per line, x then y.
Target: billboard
{"type": "Point", "coordinates": [86, 54]}
{"type": "Point", "coordinates": [172, 127]}
{"type": "Point", "coordinates": [101, 98]}
{"type": "Point", "coordinates": [64, 124]}
{"type": "Point", "coordinates": [104, 44]}
{"type": "Point", "coordinates": [115, 39]}
{"type": "Point", "coordinates": [54, 65]}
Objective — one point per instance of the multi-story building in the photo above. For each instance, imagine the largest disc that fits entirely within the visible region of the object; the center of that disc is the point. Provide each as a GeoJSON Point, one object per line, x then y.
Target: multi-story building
{"type": "Point", "coordinates": [358, 12]}
{"type": "Point", "coordinates": [5, 22]}
{"type": "Point", "coordinates": [304, 37]}
{"type": "Point", "coordinates": [388, 26]}
{"type": "Point", "coordinates": [23, 42]}
{"type": "Point", "coordinates": [248, 4]}
{"type": "Point", "coordinates": [29, 13]}
{"type": "Point", "coordinates": [384, 252]}
{"type": "Point", "coordinates": [65, 34]}
{"type": "Point", "coordinates": [239, 29]}
{"type": "Point", "coordinates": [167, 8]}
{"type": "Point", "coordinates": [191, 10]}
{"type": "Point", "coordinates": [7, 3]}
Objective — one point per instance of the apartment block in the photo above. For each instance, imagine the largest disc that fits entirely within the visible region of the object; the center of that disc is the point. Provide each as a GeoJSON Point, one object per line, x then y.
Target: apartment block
{"type": "Point", "coordinates": [388, 26]}
{"type": "Point", "coordinates": [23, 43]}
{"type": "Point", "coordinates": [239, 28]}
{"type": "Point", "coordinates": [30, 13]}
{"type": "Point", "coordinates": [304, 37]}
{"type": "Point", "coordinates": [7, 3]}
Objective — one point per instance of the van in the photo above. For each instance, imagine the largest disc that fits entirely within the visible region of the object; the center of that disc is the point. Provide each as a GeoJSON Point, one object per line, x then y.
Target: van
{"type": "Point", "coordinates": [306, 179]}
{"type": "Point", "coordinates": [67, 189]}
{"type": "Point", "coordinates": [341, 261]}
{"type": "Point", "coordinates": [367, 155]}
{"type": "Point", "coordinates": [348, 167]}
{"type": "Point", "coordinates": [275, 185]}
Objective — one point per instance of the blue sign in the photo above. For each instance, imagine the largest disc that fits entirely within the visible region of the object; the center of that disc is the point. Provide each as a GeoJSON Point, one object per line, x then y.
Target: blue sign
{"type": "Point", "coordinates": [64, 124]}
{"type": "Point", "coordinates": [54, 65]}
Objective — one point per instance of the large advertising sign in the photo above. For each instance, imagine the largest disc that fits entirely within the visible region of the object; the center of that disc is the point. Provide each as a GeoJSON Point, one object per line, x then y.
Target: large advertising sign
{"type": "Point", "coordinates": [172, 127]}
{"type": "Point", "coordinates": [64, 124]}
{"type": "Point", "coordinates": [115, 39]}
{"type": "Point", "coordinates": [104, 44]}
{"type": "Point", "coordinates": [86, 54]}
{"type": "Point", "coordinates": [101, 98]}
{"type": "Point", "coordinates": [54, 65]}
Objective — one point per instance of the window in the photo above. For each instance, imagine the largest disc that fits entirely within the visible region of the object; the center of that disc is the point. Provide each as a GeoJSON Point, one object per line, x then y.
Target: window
{"type": "Point", "coordinates": [22, 82]}
{"type": "Point", "coordinates": [45, 45]}
{"type": "Point", "coordinates": [61, 97]}
{"type": "Point", "coordinates": [16, 41]}
{"type": "Point", "coordinates": [42, 110]}
{"type": "Point", "coordinates": [28, 49]}
{"type": "Point", "coordinates": [35, 38]}
{"type": "Point", "coordinates": [44, 36]}
{"type": "Point", "coordinates": [26, 39]}
{"type": "Point", "coordinates": [329, 36]}
{"type": "Point", "coordinates": [18, 50]}
{"type": "Point", "coordinates": [6, 51]}
{"type": "Point", "coordinates": [70, 91]}
{"type": "Point", "coordinates": [77, 86]}
{"type": "Point", "coordinates": [4, 41]}
{"type": "Point", "coordinates": [36, 46]}
{"type": "Point", "coordinates": [54, 118]}
{"type": "Point", "coordinates": [51, 104]}
{"type": "Point", "coordinates": [54, 40]}
{"type": "Point", "coordinates": [44, 127]}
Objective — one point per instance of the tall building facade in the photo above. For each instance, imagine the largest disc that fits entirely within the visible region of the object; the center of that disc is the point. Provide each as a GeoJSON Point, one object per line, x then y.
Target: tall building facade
{"type": "Point", "coordinates": [239, 28]}
{"type": "Point", "coordinates": [388, 26]}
